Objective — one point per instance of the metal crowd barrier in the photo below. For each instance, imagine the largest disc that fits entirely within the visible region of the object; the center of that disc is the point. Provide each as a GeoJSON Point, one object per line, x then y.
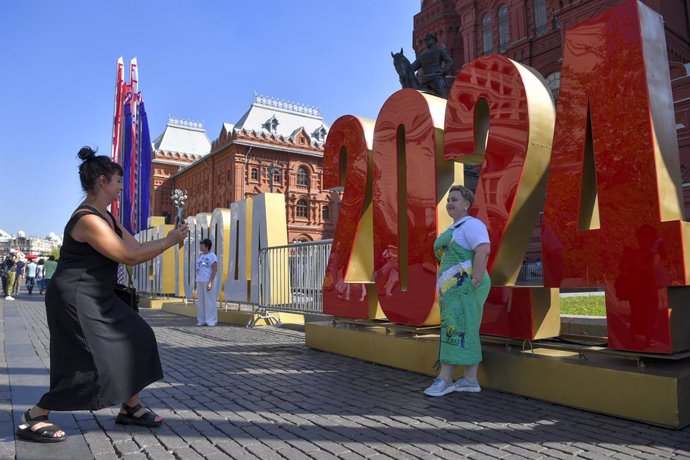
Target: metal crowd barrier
{"type": "Point", "coordinates": [530, 275]}
{"type": "Point", "coordinates": [291, 279]}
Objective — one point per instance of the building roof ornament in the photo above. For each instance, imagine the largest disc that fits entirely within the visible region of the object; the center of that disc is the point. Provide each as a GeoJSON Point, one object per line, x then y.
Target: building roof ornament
{"type": "Point", "coordinates": [183, 136]}
{"type": "Point", "coordinates": [286, 105]}
{"type": "Point", "coordinates": [179, 122]}
{"type": "Point", "coordinates": [280, 120]}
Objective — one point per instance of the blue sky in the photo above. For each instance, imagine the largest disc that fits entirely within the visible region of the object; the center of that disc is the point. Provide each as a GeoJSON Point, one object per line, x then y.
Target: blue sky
{"type": "Point", "coordinates": [200, 60]}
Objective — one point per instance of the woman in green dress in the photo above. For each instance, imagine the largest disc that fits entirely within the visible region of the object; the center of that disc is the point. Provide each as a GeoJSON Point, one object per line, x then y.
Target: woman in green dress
{"type": "Point", "coordinates": [463, 286]}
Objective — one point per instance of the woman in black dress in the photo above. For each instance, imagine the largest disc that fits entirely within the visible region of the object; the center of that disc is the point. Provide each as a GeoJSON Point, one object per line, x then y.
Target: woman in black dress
{"type": "Point", "coordinates": [101, 352]}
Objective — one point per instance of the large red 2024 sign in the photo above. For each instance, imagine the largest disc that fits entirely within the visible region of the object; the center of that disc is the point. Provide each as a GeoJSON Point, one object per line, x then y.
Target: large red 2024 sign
{"type": "Point", "coordinates": [608, 163]}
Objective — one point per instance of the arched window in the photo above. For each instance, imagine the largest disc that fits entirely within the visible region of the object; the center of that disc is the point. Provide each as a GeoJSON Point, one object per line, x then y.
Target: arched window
{"type": "Point", "coordinates": [503, 28]}
{"type": "Point", "coordinates": [487, 35]}
{"type": "Point", "coordinates": [325, 214]}
{"type": "Point", "coordinates": [554, 83]}
{"type": "Point", "coordinates": [302, 176]}
{"type": "Point", "coordinates": [301, 208]}
{"type": "Point", "coordinates": [255, 174]}
{"type": "Point", "coordinates": [540, 16]}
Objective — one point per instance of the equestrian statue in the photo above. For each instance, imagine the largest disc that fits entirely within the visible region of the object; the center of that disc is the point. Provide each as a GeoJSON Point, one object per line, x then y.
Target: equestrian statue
{"type": "Point", "coordinates": [435, 63]}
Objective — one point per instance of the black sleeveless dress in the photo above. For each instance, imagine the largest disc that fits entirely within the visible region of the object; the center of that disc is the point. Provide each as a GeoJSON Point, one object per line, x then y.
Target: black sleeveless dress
{"type": "Point", "coordinates": [101, 351]}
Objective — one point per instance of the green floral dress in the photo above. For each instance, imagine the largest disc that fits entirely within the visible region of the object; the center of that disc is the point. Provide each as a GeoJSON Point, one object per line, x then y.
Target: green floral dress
{"type": "Point", "coordinates": [461, 304]}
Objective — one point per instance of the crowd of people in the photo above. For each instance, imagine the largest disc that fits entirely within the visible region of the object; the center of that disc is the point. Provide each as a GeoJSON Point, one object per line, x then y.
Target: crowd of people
{"type": "Point", "coordinates": [15, 270]}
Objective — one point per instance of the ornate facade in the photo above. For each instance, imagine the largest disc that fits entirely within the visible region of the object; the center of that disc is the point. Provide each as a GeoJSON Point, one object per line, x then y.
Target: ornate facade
{"type": "Point", "coordinates": [531, 32]}
{"type": "Point", "coordinates": [275, 147]}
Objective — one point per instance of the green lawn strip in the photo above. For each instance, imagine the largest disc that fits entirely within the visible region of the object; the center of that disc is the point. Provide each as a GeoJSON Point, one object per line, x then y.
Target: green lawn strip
{"type": "Point", "coordinates": [583, 305]}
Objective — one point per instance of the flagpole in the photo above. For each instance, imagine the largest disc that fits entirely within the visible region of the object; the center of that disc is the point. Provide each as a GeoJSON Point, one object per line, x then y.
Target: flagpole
{"type": "Point", "coordinates": [117, 123]}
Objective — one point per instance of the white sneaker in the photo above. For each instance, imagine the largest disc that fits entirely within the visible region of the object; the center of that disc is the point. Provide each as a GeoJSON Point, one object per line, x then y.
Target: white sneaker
{"type": "Point", "coordinates": [439, 388]}
{"type": "Point", "coordinates": [464, 385]}
{"type": "Point", "coordinates": [201, 324]}
{"type": "Point", "coordinates": [9, 297]}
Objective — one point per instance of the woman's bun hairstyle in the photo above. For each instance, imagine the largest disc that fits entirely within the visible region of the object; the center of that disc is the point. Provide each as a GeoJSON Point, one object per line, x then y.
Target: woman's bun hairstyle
{"type": "Point", "coordinates": [93, 166]}
{"type": "Point", "coordinates": [87, 153]}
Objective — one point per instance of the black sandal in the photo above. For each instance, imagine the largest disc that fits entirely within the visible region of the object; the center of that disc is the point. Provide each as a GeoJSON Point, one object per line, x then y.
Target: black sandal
{"type": "Point", "coordinates": [146, 416]}
{"type": "Point", "coordinates": [43, 434]}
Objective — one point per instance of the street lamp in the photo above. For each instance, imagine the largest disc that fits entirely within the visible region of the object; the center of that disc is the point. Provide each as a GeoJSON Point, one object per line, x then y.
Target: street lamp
{"type": "Point", "coordinates": [179, 197]}
{"type": "Point", "coordinates": [272, 170]}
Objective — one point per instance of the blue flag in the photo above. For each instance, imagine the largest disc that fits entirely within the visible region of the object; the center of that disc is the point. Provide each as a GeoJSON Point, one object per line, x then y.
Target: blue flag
{"type": "Point", "coordinates": [126, 205]}
{"type": "Point", "coordinates": [145, 159]}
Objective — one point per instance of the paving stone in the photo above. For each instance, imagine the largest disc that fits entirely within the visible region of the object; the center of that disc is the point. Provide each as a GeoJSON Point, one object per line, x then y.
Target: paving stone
{"type": "Point", "coordinates": [317, 455]}
{"type": "Point", "coordinates": [244, 393]}
{"type": "Point", "coordinates": [489, 450]}
{"type": "Point", "coordinates": [295, 454]}
{"type": "Point", "coordinates": [136, 456]}
{"type": "Point", "coordinates": [100, 446]}
{"type": "Point", "coordinates": [171, 441]}
{"type": "Point", "coordinates": [593, 455]}
{"type": "Point", "coordinates": [7, 449]}
{"type": "Point", "coordinates": [158, 453]}
{"type": "Point", "coordinates": [652, 450]}
{"type": "Point", "coordinates": [553, 453]}
{"type": "Point", "coordinates": [186, 453]}
{"type": "Point", "coordinates": [303, 445]}
{"type": "Point", "coordinates": [126, 447]}
{"type": "Point", "coordinates": [351, 456]}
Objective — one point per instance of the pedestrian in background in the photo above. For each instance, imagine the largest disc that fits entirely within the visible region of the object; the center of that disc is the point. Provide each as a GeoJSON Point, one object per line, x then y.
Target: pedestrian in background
{"type": "Point", "coordinates": [206, 268]}
{"type": "Point", "coordinates": [31, 269]}
{"type": "Point", "coordinates": [48, 270]}
{"type": "Point", "coordinates": [3, 277]}
{"type": "Point", "coordinates": [39, 272]}
{"type": "Point", "coordinates": [10, 268]}
{"type": "Point", "coordinates": [21, 266]}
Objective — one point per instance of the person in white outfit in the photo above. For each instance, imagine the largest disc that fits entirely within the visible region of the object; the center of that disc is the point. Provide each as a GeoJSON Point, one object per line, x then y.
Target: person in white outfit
{"type": "Point", "coordinates": [206, 268]}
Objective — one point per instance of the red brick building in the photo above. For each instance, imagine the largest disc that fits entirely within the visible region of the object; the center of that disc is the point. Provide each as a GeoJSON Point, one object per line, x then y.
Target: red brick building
{"type": "Point", "coordinates": [276, 146]}
{"type": "Point", "coordinates": [181, 144]}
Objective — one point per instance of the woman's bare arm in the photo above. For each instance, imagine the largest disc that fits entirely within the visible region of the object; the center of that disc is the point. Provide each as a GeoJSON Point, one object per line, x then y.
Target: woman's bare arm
{"type": "Point", "coordinates": [99, 235]}
{"type": "Point", "coordinates": [481, 259]}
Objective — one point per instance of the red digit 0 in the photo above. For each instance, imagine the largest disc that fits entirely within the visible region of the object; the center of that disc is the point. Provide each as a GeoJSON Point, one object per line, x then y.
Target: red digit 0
{"type": "Point", "coordinates": [410, 180]}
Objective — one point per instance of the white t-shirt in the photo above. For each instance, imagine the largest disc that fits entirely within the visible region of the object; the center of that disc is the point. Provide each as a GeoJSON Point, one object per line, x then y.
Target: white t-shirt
{"type": "Point", "coordinates": [204, 267]}
{"type": "Point", "coordinates": [471, 233]}
{"type": "Point", "coordinates": [31, 270]}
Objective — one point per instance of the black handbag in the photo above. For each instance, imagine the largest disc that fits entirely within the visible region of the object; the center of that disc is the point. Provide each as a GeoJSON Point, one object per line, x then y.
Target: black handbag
{"type": "Point", "coordinates": [128, 294]}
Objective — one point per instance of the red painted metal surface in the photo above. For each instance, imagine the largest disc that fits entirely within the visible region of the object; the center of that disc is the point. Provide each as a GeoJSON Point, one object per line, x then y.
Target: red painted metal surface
{"type": "Point", "coordinates": [509, 312]}
{"type": "Point", "coordinates": [405, 211]}
{"type": "Point", "coordinates": [495, 81]}
{"type": "Point", "coordinates": [488, 122]}
{"type": "Point", "coordinates": [347, 137]}
{"type": "Point", "coordinates": [610, 104]}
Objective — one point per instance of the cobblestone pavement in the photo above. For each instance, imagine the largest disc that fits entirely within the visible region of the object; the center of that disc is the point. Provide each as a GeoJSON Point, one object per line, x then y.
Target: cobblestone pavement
{"type": "Point", "coordinates": [231, 392]}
